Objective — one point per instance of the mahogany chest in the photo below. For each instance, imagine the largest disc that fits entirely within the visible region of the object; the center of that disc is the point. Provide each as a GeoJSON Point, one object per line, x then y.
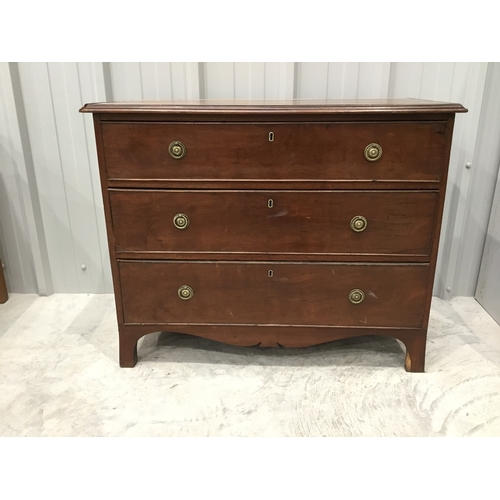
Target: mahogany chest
{"type": "Point", "coordinates": [274, 223]}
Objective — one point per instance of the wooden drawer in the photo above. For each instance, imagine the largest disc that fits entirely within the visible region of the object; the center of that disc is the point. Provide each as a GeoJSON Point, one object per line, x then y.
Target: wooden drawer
{"type": "Point", "coordinates": [295, 294]}
{"type": "Point", "coordinates": [284, 222]}
{"type": "Point", "coordinates": [412, 151]}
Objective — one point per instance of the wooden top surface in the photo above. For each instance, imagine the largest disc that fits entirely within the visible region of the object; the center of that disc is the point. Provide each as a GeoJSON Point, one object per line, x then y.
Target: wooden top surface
{"type": "Point", "coordinates": [314, 106]}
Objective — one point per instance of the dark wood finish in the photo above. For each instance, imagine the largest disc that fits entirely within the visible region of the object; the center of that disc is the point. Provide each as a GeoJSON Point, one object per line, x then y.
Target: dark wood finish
{"type": "Point", "coordinates": [109, 227]}
{"type": "Point", "coordinates": [275, 336]}
{"type": "Point", "coordinates": [296, 294]}
{"type": "Point", "coordinates": [258, 184]}
{"type": "Point", "coordinates": [243, 117]}
{"type": "Point", "coordinates": [285, 257]}
{"type": "Point", "coordinates": [316, 174]}
{"type": "Point", "coordinates": [298, 223]}
{"type": "Point", "coordinates": [333, 151]}
{"type": "Point", "coordinates": [3, 286]}
{"type": "Point", "coordinates": [292, 107]}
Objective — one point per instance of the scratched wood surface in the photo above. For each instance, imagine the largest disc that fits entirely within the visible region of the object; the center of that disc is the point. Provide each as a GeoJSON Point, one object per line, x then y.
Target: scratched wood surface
{"type": "Point", "coordinates": [299, 151]}
{"type": "Point", "coordinates": [281, 222]}
{"type": "Point", "coordinates": [295, 294]}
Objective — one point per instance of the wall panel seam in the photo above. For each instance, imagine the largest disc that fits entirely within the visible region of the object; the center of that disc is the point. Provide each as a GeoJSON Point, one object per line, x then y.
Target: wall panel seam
{"type": "Point", "coordinates": [39, 246]}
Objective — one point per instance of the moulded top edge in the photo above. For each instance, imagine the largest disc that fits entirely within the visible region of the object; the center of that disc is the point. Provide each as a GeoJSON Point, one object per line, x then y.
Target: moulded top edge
{"type": "Point", "coordinates": [291, 106]}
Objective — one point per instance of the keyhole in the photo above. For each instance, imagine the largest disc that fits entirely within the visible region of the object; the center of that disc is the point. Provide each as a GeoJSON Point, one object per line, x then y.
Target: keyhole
{"type": "Point", "coordinates": [270, 273]}
{"type": "Point", "coordinates": [270, 203]}
{"type": "Point", "coordinates": [271, 136]}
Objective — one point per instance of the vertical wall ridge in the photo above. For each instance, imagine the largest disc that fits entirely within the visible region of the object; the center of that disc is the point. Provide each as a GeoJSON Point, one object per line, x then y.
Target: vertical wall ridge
{"type": "Point", "coordinates": [480, 189]}
{"type": "Point", "coordinates": [108, 82]}
{"type": "Point", "coordinates": [201, 80]}
{"type": "Point", "coordinates": [41, 262]}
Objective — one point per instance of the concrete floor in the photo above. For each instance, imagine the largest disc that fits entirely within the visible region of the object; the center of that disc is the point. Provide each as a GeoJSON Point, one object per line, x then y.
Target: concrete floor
{"type": "Point", "coordinates": [59, 376]}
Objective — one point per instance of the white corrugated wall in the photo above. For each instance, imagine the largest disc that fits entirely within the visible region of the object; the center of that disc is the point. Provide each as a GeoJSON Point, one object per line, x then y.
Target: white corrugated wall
{"type": "Point", "coordinates": [51, 214]}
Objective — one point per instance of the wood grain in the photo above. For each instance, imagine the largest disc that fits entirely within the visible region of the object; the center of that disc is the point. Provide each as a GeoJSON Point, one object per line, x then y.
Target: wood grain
{"type": "Point", "coordinates": [276, 107]}
{"type": "Point", "coordinates": [411, 151]}
{"type": "Point", "coordinates": [296, 294]}
{"type": "Point", "coordinates": [298, 223]}
{"type": "Point", "coordinates": [280, 275]}
{"type": "Point", "coordinates": [414, 339]}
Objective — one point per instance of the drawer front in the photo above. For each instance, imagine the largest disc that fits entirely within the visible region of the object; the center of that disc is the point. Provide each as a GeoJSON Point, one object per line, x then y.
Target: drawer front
{"type": "Point", "coordinates": [411, 151]}
{"type": "Point", "coordinates": [273, 293]}
{"type": "Point", "coordinates": [321, 222]}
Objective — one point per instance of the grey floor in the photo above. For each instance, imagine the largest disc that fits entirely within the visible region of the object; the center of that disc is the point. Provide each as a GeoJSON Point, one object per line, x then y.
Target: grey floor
{"type": "Point", "coordinates": [59, 376]}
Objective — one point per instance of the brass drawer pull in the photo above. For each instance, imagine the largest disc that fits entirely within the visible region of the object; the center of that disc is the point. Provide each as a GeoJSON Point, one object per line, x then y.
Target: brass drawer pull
{"type": "Point", "coordinates": [177, 150]}
{"type": "Point", "coordinates": [358, 223]}
{"type": "Point", "coordinates": [185, 292]}
{"type": "Point", "coordinates": [181, 221]}
{"type": "Point", "coordinates": [373, 151]}
{"type": "Point", "coordinates": [356, 296]}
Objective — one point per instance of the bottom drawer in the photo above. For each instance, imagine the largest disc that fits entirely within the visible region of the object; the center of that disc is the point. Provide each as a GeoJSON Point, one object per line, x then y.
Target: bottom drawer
{"type": "Point", "coordinates": [273, 293]}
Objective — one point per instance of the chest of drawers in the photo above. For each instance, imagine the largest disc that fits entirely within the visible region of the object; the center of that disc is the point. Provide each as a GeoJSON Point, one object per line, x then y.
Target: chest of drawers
{"type": "Point", "coordinates": [287, 223]}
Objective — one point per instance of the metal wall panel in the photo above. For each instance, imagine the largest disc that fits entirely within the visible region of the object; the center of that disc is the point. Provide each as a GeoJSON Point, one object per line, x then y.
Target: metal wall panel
{"type": "Point", "coordinates": [51, 217]}
{"type": "Point", "coordinates": [463, 83]}
{"type": "Point", "coordinates": [44, 142]}
{"type": "Point", "coordinates": [15, 238]}
{"type": "Point", "coordinates": [133, 81]}
{"type": "Point", "coordinates": [342, 80]}
{"type": "Point", "coordinates": [91, 79]}
{"type": "Point", "coordinates": [65, 176]}
{"type": "Point", "coordinates": [311, 80]}
{"type": "Point", "coordinates": [481, 180]}
{"type": "Point", "coordinates": [247, 80]}
{"type": "Point", "coordinates": [488, 286]}
{"type": "Point", "coordinates": [455, 237]}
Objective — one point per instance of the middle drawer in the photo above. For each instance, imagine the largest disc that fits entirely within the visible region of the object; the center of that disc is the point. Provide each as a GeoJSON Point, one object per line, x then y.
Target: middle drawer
{"type": "Point", "coordinates": [391, 223]}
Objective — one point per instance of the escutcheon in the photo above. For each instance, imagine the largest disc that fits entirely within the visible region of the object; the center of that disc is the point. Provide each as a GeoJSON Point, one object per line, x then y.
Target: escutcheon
{"type": "Point", "coordinates": [185, 292]}
{"type": "Point", "coordinates": [358, 223]}
{"type": "Point", "coordinates": [356, 296]}
{"type": "Point", "coordinates": [181, 221]}
{"type": "Point", "coordinates": [373, 151]}
{"type": "Point", "coordinates": [177, 150]}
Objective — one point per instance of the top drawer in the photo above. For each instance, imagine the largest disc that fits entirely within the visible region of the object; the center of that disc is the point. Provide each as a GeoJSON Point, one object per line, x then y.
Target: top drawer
{"type": "Point", "coordinates": [411, 151]}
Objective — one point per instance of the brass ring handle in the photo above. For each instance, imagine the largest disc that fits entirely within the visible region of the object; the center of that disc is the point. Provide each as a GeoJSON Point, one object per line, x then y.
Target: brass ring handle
{"type": "Point", "coordinates": [356, 296]}
{"type": "Point", "coordinates": [177, 150]}
{"type": "Point", "coordinates": [181, 221]}
{"type": "Point", "coordinates": [358, 223]}
{"type": "Point", "coordinates": [185, 292]}
{"type": "Point", "coordinates": [373, 151]}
